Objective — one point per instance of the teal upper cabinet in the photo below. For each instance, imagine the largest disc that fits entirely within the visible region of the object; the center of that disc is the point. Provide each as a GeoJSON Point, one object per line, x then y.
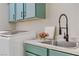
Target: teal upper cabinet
{"type": "Point", "coordinates": [12, 12]}
{"type": "Point", "coordinates": [34, 10]}
{"type": "Point", "coordinates": [40, 10]}
{"type": "Point", "coordinates": [19, 11]}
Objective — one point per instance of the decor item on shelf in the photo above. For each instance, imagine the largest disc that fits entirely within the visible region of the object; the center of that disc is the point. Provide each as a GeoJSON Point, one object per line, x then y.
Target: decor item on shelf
{"type": "Point", "coordinates": [43, 35]}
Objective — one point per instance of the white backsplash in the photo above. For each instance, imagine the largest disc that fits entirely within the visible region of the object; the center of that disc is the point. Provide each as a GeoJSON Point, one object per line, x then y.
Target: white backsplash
{"type": "Point", "coordinates": [53, 12]}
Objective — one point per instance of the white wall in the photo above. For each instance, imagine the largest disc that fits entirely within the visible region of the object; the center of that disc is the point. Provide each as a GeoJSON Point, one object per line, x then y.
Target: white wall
{"type": "Point", "coordinates": [71, 10]}
{"type": "Point", "coordinates": [4, 25]}
{"type": "Point", "coordinates": [53, 12]}
{"type": "Point", "coordinates": [35, 25]}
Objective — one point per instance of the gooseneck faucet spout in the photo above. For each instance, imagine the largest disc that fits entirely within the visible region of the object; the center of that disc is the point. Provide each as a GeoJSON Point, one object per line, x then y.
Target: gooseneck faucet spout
{"type": "Point", "coordinates": [66, 36]}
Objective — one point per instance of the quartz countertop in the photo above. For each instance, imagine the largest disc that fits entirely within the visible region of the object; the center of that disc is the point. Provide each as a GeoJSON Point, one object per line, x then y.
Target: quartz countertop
{"type": "Point", "coordinates": [36, 42]}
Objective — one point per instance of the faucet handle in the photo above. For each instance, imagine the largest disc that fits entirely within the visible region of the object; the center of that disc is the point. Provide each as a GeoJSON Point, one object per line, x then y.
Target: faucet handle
{"type": "Point", "coordinates": [64, 36]}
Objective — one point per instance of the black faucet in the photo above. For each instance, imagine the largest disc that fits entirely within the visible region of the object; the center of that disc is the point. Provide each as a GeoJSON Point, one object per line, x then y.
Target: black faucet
{"type": "Point", "coordinates": [66, 36]}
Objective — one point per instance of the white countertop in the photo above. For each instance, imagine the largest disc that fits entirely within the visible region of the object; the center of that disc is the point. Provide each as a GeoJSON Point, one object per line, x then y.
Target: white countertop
{"type": "Point", "coordinates": [63, 49]}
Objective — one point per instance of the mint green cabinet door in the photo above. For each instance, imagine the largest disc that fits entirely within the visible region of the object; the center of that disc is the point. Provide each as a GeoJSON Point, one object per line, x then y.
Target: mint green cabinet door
{"type": "Point", "coordinates": [19, 11]}
{"type": "Point", "coordinates": [12, 12]}
{"type": "Point", "coordinates": [34, 10]}
{"type": "Point", "coordinates": [28, 54]}
{"type": "Point", "coordinates": [57, 53]}
{"type": "Point", "coordinates": [40, 10]}
{"type": "Point", "coordinates": [29, 10]}
{"type": "Point", "coordinates": [35, 49]}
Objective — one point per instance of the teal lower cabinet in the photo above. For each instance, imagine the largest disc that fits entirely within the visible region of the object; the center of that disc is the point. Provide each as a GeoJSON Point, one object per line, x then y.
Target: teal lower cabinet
{"type": "Point", "coordinates": [33, 50]}
{"type": "Point", "coordinates": [39, 51]}
{"type": "Point", "coordinates": [58, 53]}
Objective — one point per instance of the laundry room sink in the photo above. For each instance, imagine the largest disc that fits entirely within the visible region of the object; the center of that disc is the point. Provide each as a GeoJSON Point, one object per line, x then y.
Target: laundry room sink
{"type": "Point", "coordinates": [69, 44]}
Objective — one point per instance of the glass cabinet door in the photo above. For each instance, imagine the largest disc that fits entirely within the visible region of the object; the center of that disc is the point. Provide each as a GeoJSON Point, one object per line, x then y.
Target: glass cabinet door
{"type": "Point", "coordinates": [19, 11]}
{"type": "Point", "coordinates": [12, 12]}
{"type": "Point", "coordinates": [29, 10]}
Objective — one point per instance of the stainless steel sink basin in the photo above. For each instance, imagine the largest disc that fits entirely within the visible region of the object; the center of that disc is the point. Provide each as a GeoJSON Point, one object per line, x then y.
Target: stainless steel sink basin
{"type": "Point", "coordinates": [69, 44]}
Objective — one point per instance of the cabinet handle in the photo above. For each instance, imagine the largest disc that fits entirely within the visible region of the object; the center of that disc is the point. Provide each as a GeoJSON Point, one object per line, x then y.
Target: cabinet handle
{"type": "Point", "coordinates": [25, 10]}
{"type": "Point", "coordinates": [21, 14]}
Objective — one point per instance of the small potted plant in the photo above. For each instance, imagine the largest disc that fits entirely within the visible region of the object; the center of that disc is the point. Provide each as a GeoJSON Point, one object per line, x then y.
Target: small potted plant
{"type": "Point", "coordinates": [43, 35]}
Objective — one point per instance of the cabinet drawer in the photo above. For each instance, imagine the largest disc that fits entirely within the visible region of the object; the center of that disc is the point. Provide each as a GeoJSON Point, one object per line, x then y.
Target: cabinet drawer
{"type": "Point", "coordinates": [35, 49]}
{"type": "Point", "coordinates": [28, 54]}
{"type": "Point", "coordinates": [57, 53]}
